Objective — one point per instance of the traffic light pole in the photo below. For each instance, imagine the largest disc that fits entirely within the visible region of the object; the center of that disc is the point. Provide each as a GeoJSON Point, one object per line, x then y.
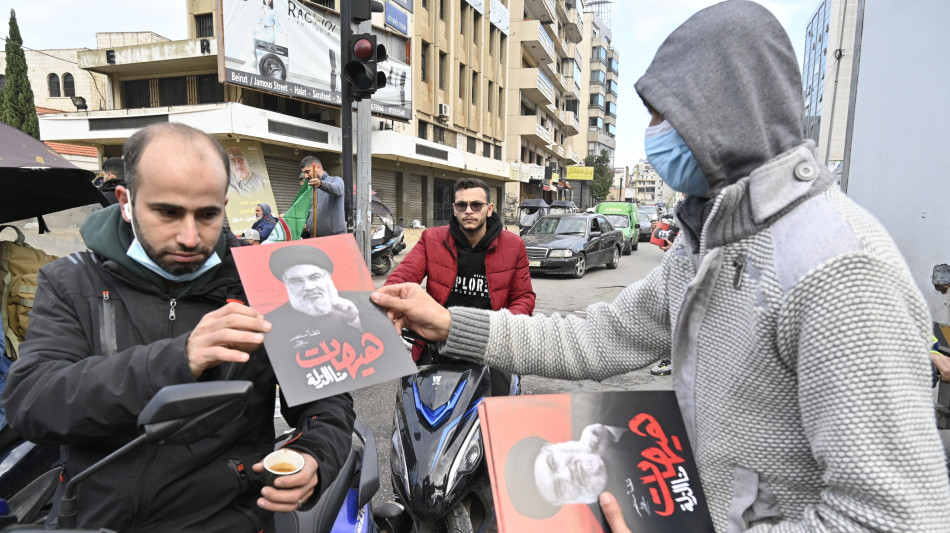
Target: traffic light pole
{"type": "Point", "coordinates": [346, 117]}
{"type": "Point", "coordinates": [364, 169]}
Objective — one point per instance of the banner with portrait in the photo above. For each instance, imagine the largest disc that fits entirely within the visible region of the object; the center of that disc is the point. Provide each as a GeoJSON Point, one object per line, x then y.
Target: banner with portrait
{"type": "Point", "coordinates": [285, 48]}
{"type": "Point", "coordinates": [248, 184]}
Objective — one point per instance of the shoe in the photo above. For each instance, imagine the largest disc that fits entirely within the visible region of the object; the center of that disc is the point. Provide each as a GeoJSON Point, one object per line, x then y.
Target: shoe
{"type": "Point", "coordinates": [663, 368]}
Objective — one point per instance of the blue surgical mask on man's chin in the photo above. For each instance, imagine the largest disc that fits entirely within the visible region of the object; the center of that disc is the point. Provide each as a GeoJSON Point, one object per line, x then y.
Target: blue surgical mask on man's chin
{"type": "Point", "coordinates": [673, 160]}
{"type": "Point", "coordinates": [137, 253]}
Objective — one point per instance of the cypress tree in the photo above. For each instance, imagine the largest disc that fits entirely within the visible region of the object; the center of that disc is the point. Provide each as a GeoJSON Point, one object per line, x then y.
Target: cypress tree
{"type": "Point", "coordinates": [18, 108]}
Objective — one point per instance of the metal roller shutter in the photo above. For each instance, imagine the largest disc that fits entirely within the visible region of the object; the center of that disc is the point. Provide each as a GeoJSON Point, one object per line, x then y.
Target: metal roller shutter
{"type": "Point", "coordinates": [415, 198]}
{"type": "Point", "coordinates": [283, 175]}
{"type": "Point", "coordinates": [384, 183]}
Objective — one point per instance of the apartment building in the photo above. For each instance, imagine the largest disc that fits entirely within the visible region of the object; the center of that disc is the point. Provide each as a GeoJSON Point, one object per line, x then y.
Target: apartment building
{"type": "Point", "coordinates": [460, 71]}
{"type": "Point", "coordinates": [826, 77]}
{"type": "Point", "coordinates": [544, 95]}
{"type": "Point", "coordinates": [276, 121]}
{"type": "Point", "coordinates": [601, 78]}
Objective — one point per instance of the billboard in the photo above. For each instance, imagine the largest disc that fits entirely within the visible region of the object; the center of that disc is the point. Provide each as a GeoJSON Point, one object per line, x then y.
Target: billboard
{"type": "Point", "coordinates": [248, 185]}
{"type": "Point", "coordinates": [285, 48]}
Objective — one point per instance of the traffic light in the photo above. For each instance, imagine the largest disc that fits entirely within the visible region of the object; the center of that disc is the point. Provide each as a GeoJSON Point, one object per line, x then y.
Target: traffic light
{"type": "Point", "coordinates": [362, 57]}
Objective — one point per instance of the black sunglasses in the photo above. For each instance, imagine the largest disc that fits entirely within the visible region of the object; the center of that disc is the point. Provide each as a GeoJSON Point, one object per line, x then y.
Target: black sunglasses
{"type": "Point", "coordinates": [461, 207]}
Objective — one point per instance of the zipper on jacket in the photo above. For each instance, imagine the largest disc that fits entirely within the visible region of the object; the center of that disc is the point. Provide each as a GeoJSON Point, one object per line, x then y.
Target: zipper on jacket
{"type": "Point", "coordinates": [171, 309]}
{"type": "Point", "coordinates": [739, 263]}
{"type": "Point", "coordinates": [107, 326]}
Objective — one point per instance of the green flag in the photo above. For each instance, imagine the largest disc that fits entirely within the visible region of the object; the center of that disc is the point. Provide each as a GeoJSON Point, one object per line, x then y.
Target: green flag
{"type": "Point", "coordinates": [296, 216]}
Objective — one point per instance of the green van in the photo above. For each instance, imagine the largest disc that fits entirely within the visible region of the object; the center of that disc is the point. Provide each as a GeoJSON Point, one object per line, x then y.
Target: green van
{"type": "Point", "coordinates": [625, 217]}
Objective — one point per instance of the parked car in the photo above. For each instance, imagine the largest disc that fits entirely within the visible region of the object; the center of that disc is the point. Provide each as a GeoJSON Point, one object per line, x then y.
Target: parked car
{"type": "Point", "coordinates": [572, 243]}
{"type": "Point", "coordinates": [562, 206]}
{"type": "Point", "coordinates": [648, 215]}
{"type": "Point", "coordinates": [625, 217]}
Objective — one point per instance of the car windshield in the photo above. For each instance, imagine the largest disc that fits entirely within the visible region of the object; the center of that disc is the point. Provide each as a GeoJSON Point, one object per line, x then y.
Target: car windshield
{"type": "Point", "coordinates": [618, 221]}
{"type": "Point", "coordinates": [649, 212]}
{"type": "Point", "coordinates": [558, 210]}
{"type": "Point", "coordinates": [560, 225]}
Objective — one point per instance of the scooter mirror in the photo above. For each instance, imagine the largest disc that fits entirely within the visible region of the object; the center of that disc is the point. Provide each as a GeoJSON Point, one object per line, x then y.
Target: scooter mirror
{"type": "Point", "coordinates": [183, 414]}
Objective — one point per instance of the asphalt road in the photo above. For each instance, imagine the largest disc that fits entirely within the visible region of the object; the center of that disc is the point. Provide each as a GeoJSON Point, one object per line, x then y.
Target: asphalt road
{"type": "Point", "coordinates": [556, 294]}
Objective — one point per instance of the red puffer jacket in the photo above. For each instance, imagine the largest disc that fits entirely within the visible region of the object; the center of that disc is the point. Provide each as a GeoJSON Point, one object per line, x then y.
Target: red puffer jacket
{"type": "Point", "coordinates": [506, 267]}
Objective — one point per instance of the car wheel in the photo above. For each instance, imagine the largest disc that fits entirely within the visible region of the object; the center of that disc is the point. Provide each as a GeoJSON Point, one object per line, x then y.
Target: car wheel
{"type": "Point", "coordinates": [635, 243]}
{"type": "Point", "coordinates": [615, 260]}
{"type": "Point", "coordinates": [580, 267]}
{"type": "Point", "coordinates": [628, 246]}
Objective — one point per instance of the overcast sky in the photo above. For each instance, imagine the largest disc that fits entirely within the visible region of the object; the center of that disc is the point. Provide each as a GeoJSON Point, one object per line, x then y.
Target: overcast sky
{"type": "Point", "coordinates": [639, 26]}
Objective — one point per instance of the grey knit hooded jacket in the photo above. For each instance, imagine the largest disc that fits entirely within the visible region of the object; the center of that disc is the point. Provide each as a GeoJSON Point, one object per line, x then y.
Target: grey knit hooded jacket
{"type": "Point", "coordinates": [799, 341]}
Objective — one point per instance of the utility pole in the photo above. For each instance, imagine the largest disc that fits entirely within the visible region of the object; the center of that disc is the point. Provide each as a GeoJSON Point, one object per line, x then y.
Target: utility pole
{"type": "Point", "coordinates": [364, 169]}
{"type": "Point", "coordinates": [346, 114]}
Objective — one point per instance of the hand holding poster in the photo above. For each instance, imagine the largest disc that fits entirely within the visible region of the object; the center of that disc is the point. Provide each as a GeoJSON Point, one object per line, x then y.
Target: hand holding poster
{"type": "Point", "coordinates": [551, 456]}
{"type": "Point", "coordinates": [327, 337]}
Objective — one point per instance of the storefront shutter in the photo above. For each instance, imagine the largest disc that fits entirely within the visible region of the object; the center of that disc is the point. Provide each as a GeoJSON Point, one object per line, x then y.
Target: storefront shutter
{"type": "Point", "coordinates": [283, 175]}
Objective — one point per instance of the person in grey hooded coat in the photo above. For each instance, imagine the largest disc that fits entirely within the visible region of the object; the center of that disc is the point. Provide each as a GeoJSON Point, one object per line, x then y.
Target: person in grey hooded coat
{"type": "Point", "coordinates": [799, 340]}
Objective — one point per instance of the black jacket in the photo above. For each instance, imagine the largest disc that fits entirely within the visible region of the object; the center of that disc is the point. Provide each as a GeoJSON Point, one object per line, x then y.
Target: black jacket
{"type": "Point", "coordinates": [102, 341]}
{"type": "Point", "coordinates": [108, 189]}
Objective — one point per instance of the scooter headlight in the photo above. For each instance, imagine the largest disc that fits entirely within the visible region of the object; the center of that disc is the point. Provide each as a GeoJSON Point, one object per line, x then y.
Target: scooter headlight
{"type": "Point", "coordinates": [379, 232]}
{"type": "Point", "coordinates": [471, 456]}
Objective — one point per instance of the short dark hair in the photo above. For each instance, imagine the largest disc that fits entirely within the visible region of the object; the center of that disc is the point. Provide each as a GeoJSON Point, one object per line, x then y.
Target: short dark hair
{"type": "Point", "coordinates": [115, 166]}
{"type": "Point", "coordinates": [309, 161]}
{"type": "Point", "coordinates": [473, 183]}
{"type": "Point", "coordinates": [139, 141]}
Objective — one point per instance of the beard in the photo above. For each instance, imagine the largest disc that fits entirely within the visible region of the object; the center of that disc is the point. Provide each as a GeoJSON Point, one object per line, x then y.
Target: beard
{"type": "Point", "coordinates": [172, 267]}
{"type": "Point", "coordinates": [313, 303]}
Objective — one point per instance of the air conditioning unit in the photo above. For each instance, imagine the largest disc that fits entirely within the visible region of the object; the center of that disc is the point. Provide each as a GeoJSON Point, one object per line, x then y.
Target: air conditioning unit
{"type": "Point", "coordinates": [444, 110]}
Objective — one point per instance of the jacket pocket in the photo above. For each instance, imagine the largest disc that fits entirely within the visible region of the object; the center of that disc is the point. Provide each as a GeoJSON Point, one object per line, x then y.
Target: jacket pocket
{"type": "Point", "coordinates": [753, 501]}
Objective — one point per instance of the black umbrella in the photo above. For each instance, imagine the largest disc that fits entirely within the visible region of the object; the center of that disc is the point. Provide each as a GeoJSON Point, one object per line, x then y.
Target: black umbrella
{"type": "Point", "coordinates": [35, 180]}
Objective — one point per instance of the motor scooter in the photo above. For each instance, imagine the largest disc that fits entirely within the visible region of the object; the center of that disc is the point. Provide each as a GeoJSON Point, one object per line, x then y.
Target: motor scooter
{"type": "Point", "coordinates": [183, 414]}
{"type": "Point", "coordinates": [438, 465]}
{"type": "Point", "coordinates": [387, 240]}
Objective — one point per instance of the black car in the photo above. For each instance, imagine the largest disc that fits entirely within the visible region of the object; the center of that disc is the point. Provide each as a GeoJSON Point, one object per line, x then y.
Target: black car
{"type": "Point", "coordinates": [571, 243]}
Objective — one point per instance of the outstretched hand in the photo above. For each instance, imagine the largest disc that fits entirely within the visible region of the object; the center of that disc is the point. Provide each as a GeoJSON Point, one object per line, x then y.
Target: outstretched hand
{"type": "Point", "coordinates": [409, 306]}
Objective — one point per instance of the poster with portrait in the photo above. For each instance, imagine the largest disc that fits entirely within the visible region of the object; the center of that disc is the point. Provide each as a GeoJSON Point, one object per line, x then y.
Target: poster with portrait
{"type": "Point", "coordinates": [551, 456]}
{"type": "Point", "coordinates": [248, 184]}
{"type": "Point", "coordinates": [327, 337]}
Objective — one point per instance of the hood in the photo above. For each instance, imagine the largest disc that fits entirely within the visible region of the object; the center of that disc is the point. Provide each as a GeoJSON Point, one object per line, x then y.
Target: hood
{"type": "Point", "coordinates": [265, 208]}
{"type": "Point", "coordinates": [109, 235]}
{"type": "Point", "coordinates": [493, 229]}
{"type": "Point", "coordinates": [110, 185]}
{"type": "Point", "coordinates": [728, 81]}
{"type": "Point", "coordinates": [553, 240]}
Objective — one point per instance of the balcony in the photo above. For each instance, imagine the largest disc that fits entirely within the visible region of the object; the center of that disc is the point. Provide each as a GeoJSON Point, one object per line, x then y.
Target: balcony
{"type": "Point", "coordinates": [535, 40]}
{"type": "Point", "coordinates": [542, 10]}
{"type": "Point", "coordinates": [530, 129]}
{"type": "Point", "coordinates": [573, 157]}
{"type": "Point", "coordinates": [601, 136]}
{"type": "Point", "coordinates": [534, 84]}
{"type": "Point", "coordinates": [574, 27]}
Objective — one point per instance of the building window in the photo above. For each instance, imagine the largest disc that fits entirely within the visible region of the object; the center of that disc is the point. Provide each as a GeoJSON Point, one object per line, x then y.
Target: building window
{"type": "Point", "coordinates": [284, 106]}
{"type": "Point", "coordinates": [477, 28]}
{"type": "Point", "coordinates": [173, 91]}
{"type": "Point", "coordinates": [438, 134]}
{"type": "Point", "coordinates": [474, 87]}
{"type": "Point", "coordinates": [486, 149]}
{"type": "Point", "coordinates": [135, 94]}
{"type": "Point", "coordinates": [491, 40]}
{"type": "Point", "coordinates": [209, 90]}
{"type": "Point", "coordinates": [491, 97]}
{"type": "Point", "coordinates": [472, 145]}
{"type": "Point", "coordinates": [498, 152]}
{"type": "Point", "coordinates": [598, 77]}
{"type": "Point", "coordinates": [329, 4]}
{"type": "Point", "coordinates": [425, 4]}
{"type": "Point", "coordinates": [524, 154]}
{"type": "Point", "coordinates": [443, 59]}
{"type": "Point", "coordinates": [423, 130]}
{"type": "Point", "coordinates": [442, 9]}
{"type": "Point", "coordinates": [461, 80]}
{"type": "Point", "coordinates": [596, 123]}
{"type": "Point", "coordinates": [69, 85]}
{"type": "Point", "coordinates": [462, 18]}
{"type": "Point", "coordinates": [204, 25]}
{"type": "Point", "coordinates": [599, 54]}
{"type": "Point", "coordinates": [597, 100]}
{"type": "Point", "coordinates": [53, 82]}
{"type": "Point", "coordinates": [501, 101]}
{"type": "Point", "coordinates": [424, 63]}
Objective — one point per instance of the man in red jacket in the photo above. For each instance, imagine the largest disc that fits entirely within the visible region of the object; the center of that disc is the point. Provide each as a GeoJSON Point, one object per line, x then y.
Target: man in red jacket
{"type": "Point", "coordinates": [472, 262]}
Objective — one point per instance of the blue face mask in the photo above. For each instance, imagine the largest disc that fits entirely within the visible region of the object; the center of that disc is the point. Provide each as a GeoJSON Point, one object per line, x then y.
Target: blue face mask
{"type": "Point", "coordinates": [673, 160]}
{"type": "Point", "coordinates": [137, 253]}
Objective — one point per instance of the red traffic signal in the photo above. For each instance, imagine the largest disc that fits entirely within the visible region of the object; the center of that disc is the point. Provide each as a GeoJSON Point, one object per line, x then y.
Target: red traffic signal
{"type": "Point", "coordinates": [363, 49]}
